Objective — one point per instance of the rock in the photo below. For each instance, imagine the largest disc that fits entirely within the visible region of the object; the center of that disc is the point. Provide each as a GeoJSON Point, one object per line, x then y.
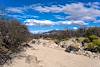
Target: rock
{"type": "Point", "coordinates": [88, 54]}
{"type": "Point", "coordinates": [71, 48]}
{"type": "Point", "coordinates": [44, 42]}
{"type": "Point", "coordinates": [80, 52]}
{"type": "Point", "coordinates": [64, 46]}
{"type": "Point", "coordinates": [26, 45]}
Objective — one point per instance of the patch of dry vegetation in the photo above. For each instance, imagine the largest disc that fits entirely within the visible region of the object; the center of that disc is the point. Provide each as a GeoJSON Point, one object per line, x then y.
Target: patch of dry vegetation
{"type": "Point", "coordinates": [12, 34]}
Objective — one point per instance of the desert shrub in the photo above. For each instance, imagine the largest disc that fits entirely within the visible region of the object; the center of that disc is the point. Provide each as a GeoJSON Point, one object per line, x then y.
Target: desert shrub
{"type": "Point", "coordinates": [92, 37]}
{"type": "Point", "coordinates": [12, 34]}
{"type": "Point", "coordinates": [92, 31]}
{"type": "Point", "coordinates": [97, 42]}
{"type": "Point", "coordinates": [94, 46]}
{"type": "Point", "coordinates": [58, 40]}
{"type": "Point", "coordinates": [86, 40]}
{"type": "Point", "coordinates": [91, 45]}
{"type": "Point", "coordinates": [81, 39]}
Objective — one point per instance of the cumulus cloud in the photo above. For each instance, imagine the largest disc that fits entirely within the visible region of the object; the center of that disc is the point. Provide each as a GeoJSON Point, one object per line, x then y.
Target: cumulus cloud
{"type": "Point", "coordinates": [94, 4]}
{"type": "Point", "coordinates": [38, 31]}
{"type": "Point", "coordinates": [34, 22]}
{"type": "Point", "coordinates": [77, 11]}
{"type": "Point", "coordinates": [53, 8]}
{"type": "Point", "coordinates": [14, 10]}
{"type": "Point", "coordinates": [88, 18]}
{"type": "Point", "coordinates": [78, 22]}
{"type": "Point", "coordinates": [39, 22]}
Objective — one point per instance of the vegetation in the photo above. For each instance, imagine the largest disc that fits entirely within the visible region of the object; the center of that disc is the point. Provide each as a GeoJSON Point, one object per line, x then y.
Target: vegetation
{"type": "Point", "coordinates": [93, 43]}
{"type": "Point", "coordinates": [65, 34]}
{"type": "Point", "coordinates": [12, 34]}
{"type": "Point", "coordinates": [90, 36]}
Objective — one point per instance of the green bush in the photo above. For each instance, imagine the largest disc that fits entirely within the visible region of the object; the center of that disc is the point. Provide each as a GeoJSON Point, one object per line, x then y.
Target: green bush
{"type": "Point", "coordinates": [96, 42]}
{"type": "Point", "coordinates": [92, 37]}
{"type": "Point", "coordinates": [91, 45]}
{"type": "Point", "coordinates": [86, 40]}
{"type": "Point", "coordinates": [57, 41]}
{"type": "Point", "coordinates": [81, 39]}
{"type": "Point", "coordinates": [94, 46]}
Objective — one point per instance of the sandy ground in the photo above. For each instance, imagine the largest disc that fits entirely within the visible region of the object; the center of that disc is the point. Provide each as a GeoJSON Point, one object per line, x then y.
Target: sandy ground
{"type": "Point", "coordinates": [50, 57]}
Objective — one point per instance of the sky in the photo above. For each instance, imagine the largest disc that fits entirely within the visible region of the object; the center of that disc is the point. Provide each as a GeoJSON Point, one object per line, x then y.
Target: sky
{"type": "Point", "coordinates": [45, 15]}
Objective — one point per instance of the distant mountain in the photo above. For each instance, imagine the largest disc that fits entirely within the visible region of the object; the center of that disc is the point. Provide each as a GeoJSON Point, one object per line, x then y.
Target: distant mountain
{"type": "Point", "coordinates": [82, 32]}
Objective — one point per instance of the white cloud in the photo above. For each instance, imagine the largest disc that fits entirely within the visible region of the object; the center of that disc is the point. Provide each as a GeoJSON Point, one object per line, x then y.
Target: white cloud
{"type": "Point", "coordinates": [97, 21]}
{"type": "Point", "coordinates": [38, 31]}
{"type": "Point", "coordinates": [39, 22]}
{"type": "Point", "coordinates": [88, 18]}
{"type": "Point", "coordinates": [53, 8]}
{"type": "Point", "coordinates": [59, 17]}
{"type": "Point", "coordinates": [15, 10]}
{"type": "Point", "coordinates": [95, 5]}
{"type": "Point", "coordinates": [77, 11]}
{"type": "Point", "coordinates": [22, 16]}
{"type": "Point", "coordinates": [80, 23]}
{"type": "Point", "coordinates": [34, 22]}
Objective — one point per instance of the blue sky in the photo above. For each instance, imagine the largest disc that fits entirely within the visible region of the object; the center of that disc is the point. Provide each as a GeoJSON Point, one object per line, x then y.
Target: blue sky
{"type": "Point", "coordinates": [45, 15]}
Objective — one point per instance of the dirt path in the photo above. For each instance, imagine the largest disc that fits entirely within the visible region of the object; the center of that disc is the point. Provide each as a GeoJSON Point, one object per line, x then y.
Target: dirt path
{"type": "Point", "coordinates": [50, 57]}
